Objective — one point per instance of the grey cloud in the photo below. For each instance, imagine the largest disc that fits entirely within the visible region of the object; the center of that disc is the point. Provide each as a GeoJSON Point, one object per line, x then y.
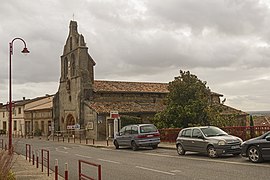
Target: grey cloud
{"type": "Point", "coordinates": [225, 43]}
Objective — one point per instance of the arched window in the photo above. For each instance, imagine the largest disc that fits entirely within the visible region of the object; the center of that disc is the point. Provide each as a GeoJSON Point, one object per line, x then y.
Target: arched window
{"type": "Point", "coordinates": [65, 68]}
{"type": "Point", "coordinates": [73, 66]}
{"type": "Point", "coordinates": [70, 42]}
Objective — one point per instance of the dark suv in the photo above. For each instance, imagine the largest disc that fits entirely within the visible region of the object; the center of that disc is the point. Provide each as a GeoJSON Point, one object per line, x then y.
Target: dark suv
{"type": "Point", "coordinates": [207, 139]}
{"type": "Point", "coordinates": [137, 135]}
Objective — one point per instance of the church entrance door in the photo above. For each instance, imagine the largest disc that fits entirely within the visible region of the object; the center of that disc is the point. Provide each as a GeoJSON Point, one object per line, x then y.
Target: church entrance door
{"type": "Point", "coordinates": [70, 122]}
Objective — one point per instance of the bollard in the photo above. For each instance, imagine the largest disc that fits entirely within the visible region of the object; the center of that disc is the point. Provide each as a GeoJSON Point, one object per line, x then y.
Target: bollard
{"type": "Point", "coordinates": [93, 141]}
{"type": "Point", "coordinates": [37, 161]}
{"type": "Point", "coordinates": [86, 141]}
{"type": "Point", "coordinates": [56, 169]}
{"type": "Point", "coordinates": [33, 159]}
{"type": "Point", "coordinates": [66, 171]}
{"type": "Point", "coordinates": [73, 138]}
{"type": "Point", "coordinates": [68, 139]}
{"type": "Point", "coordinates": [107, 142]}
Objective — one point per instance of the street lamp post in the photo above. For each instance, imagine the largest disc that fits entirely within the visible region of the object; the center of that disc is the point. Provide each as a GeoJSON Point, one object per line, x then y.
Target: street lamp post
{"type": "Point", "coordinates": [25, 50]}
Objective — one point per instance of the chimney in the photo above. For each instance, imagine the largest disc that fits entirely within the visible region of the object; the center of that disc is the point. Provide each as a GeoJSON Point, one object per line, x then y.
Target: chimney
{"type": "Point", "coordinates": [23, 98]}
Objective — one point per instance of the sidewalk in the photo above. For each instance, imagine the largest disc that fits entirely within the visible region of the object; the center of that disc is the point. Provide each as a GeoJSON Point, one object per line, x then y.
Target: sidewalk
{"type": "Point", "coordinates": [25, 170]}
{"type": "Point", "coordinates": [103, 144]}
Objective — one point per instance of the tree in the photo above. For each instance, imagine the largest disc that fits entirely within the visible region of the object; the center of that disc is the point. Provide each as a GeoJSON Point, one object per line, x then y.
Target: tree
{"type": "Point", "coordinates": [187, 104]}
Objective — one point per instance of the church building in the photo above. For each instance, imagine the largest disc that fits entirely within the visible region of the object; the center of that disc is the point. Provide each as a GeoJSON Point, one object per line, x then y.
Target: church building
{"type": "Point", "coordinates": [82, 105]}
{"type": "Point", "coordinates": [82, 100]}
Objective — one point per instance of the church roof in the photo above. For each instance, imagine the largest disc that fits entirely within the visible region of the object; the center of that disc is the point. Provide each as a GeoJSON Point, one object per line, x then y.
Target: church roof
{"type": "Point", "coordinates": [227, 110]}
{"type": "Point", "coordinates": [126, 107]}
{"type": "Point", "coordinates": [121, 86]}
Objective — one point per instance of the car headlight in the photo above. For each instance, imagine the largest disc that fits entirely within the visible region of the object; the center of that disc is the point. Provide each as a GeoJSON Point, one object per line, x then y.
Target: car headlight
{"type": "Point", "coordinates": [240, 140]}
{"type": "Point", "coordinates": [221, 143]}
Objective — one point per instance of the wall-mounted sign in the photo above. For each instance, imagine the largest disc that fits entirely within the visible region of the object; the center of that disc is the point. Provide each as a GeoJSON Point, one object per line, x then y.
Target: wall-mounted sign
{"type": "Point", "coordinates": [114, 115]}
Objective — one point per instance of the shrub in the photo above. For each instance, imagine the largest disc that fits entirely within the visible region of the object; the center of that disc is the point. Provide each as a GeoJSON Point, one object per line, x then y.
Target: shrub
{"type": "Point", "coordinates": [38, 132]}
{"type": "Point", "coordinates": [5, 165]}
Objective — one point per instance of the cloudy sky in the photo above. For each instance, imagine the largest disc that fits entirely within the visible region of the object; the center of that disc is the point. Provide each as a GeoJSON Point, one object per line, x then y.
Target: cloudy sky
{"type": "Point", "coordinates": [223, 42]}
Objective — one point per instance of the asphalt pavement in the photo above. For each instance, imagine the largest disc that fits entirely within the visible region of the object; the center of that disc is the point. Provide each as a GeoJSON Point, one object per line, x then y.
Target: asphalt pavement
{"type": "Point", "coordinates": [25, 170]}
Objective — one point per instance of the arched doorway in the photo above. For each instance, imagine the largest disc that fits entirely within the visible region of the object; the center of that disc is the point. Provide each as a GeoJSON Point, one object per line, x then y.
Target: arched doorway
{"type": "Point", "coordinates": [70, 121]}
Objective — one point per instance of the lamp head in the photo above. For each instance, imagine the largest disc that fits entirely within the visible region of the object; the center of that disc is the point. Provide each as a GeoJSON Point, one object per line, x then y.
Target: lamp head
{"type": "Point", "coordinates": [25, 51]}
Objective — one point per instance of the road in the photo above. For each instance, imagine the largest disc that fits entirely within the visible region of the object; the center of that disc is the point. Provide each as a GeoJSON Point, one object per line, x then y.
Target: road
{"type": "Point", "coordinates": [148, 164]}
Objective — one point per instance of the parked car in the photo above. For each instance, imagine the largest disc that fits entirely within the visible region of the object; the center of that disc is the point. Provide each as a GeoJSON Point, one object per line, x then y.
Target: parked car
{"type": "Point", "coordinates": [207, 139]}
{"type": "Point", "coordinates": [257, 149]}
{"type": "Point", "coordinates": [137, 135]}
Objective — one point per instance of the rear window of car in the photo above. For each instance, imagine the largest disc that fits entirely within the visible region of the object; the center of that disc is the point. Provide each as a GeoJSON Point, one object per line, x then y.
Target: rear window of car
{"type": "Point", "coordinates": [148, 129]}
{"type": "Point", "coordinates": [213, 131]}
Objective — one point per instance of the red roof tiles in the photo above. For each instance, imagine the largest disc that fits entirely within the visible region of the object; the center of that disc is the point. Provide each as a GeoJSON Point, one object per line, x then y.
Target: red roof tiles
{"type": "Point", "coordinates": [121, 86]}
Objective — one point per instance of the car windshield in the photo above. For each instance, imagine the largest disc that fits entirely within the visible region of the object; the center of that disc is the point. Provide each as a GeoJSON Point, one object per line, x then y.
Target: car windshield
{"type": "Point", "coordinates": [213, 131]}
{"type": "Point", "coordinates": [148, 128]}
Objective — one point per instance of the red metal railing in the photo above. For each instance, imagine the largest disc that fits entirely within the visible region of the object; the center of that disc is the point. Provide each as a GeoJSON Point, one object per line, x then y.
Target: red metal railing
{"type": "Point", "coordinates": [45, 159]}
{"type": "Point", "coordinates": [169, 134]}
{"type": "Point", "coordinates": [84, 176]}
{"type": "Point", "coordinates": [244, 132]}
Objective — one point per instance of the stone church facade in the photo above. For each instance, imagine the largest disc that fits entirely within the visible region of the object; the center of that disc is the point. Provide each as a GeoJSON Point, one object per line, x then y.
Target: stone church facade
{"type": "Point", "coordinates": [82, 100]}
{"type": "Point", "coordinates": [87, 102]}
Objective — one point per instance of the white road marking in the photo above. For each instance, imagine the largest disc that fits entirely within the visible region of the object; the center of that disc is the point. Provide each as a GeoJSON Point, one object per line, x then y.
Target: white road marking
{"type": "Point", "coordinates": [83, 156]}
{"type": "Point", "coordinates": [155, 170]}
{"type": "Point", "coordinates": [109, 161]}
{"type": "Point", "coordinates": [175, 171]}
{"type": "Point", "coordinates": [210, 160]}
{"type": "Point", "coordinates": [61, 151]}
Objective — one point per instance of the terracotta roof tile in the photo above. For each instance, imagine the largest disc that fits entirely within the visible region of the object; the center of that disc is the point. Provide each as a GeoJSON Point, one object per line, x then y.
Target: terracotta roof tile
{"type": "Point", "coordinates": [227, 110]}
{"type": "Point", "coordinates": [121, 86]}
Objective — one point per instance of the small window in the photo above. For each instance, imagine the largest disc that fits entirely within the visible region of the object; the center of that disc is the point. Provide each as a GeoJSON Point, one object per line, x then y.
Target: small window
{"type": "Point", "coordinates": [186, 133]}
{"type": "Point", "coordinates": [70, 41]}
{"type": "Point", "coordinates": [122, 131]}
{"type": "Point", "coordinates": [134, 130]}
{"type": "Point", "coordinates": [15, 126]}
{"type": "Point", "coordinates": [128, 130]}
{"type": "Point", "coordinates": [196, 133]}
{"type": "Point", "coordinates": [20, 110]}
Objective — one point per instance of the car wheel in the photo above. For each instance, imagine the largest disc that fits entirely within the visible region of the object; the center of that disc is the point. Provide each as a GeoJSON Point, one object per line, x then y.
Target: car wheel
{"type": "Point", "coordinates": [116, 144]}
{"type": "Point", "coordinates": [180, 149]}
{"type": "Point", "coordinates": [134, 146]}
{"type": "Point", "coordinates": [155, 146]}
{"type": "Point", "coordinates": [254, 154]}
{"type": "Point", "coordinates": [211, 151]}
